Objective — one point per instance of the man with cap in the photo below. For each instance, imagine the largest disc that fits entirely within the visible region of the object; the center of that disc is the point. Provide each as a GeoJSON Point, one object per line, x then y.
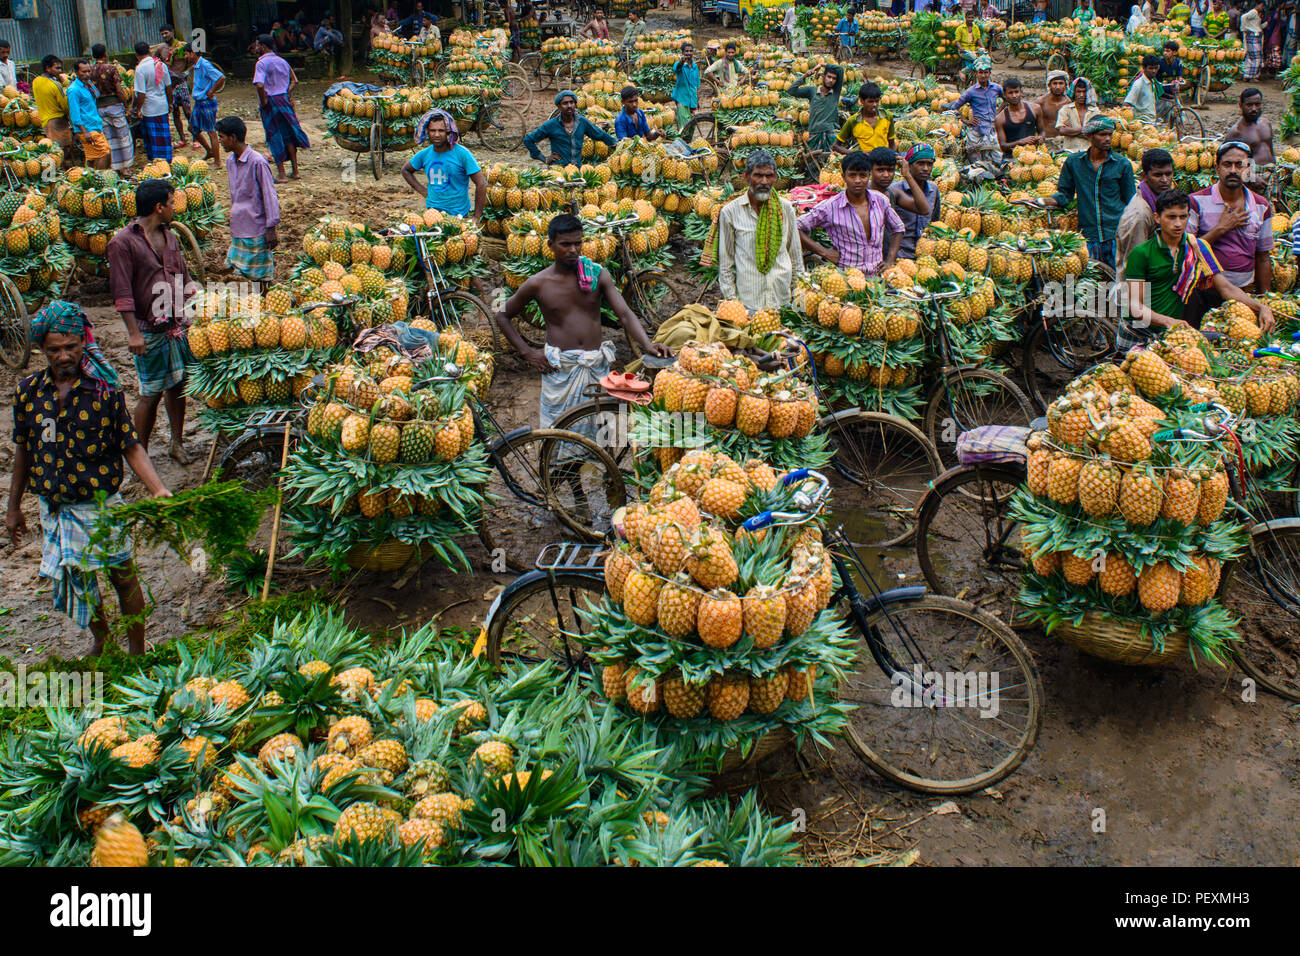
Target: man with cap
{"type": "Point", "coordinates": [858, 222]}
{"type": "Point", "coordinates": [71, 432]}
{"type": "Point", "coordinates": [274, 81]}
{"type": "Point", "coordinates": [823, 104]}
{"type": "Point", "coordinates": [566, 133]}
{"type": "Point", "coordinates": [1234, 221]}
{"type": "Point", "coordinates": [1076, 114]}
{"type": "Point", "coordinates": [1050, 103]}
{"type": "Point", "coordinates": [757, 241]}
{"type": "Point", "coordinates": [915, 198]}
{"type": "Point", "coordinates": [982, 97]}
{"type": "Point", "coordinates": [1102, 182]}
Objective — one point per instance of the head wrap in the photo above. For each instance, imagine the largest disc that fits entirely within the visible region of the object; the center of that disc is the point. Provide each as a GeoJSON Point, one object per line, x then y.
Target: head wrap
{"type": "Point", "coordinates": [982, 62]}
{"type": "Point", "coordinates": [563, 93]}
{"type": "Point", "coordinates": [422, 127]}
{"type": "Point", "coordinates": [1091, 98]}
{"type": "Point", "coordinates": [1098, 124]}
{"type": "Point", "coordinates": [1057, 75]}
{"type": "Point", "coordinates": [66, 318]}
{"type": "Point", "coordinates": [920, 153]}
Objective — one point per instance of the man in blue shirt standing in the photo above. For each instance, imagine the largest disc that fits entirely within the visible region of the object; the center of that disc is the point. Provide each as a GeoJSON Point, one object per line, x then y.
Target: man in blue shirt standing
{"type": "Point", "coordinates": [449, 168]}
{"type": "Point", "coordinates": [686, 92]}
{"type": "Point", "coordinates": [631, 121]}
{"type": "Point", "coordinates": [847, 29]}
{"type": "Point", "coordinates": [83, 114]}
{"type": "Point", "coordinates": [208, 82]}
{"type": "Point", "coordinates": [982, 97]}
{"type": "Point", "coordinates": [565, 133]}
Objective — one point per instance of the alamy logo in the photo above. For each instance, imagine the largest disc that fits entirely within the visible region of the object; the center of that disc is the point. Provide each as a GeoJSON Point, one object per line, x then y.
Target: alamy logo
{"type": "Point", "coordinates": [70, 690]}
{"type": "Point", "coordinates": [77, 909]}
{"type": "Point", "coordinates": [976, 691]}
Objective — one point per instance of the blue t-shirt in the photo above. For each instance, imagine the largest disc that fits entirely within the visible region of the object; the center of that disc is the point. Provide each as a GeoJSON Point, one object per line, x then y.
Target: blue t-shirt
{"type": "Point", "coordinates": [625, 126]}
{"type": "Point", "coordinates": [847, 28]}
{"type": "Point", "coordinates": [687, 90]}
{"type": "Point", "coordinates": [448, 174]}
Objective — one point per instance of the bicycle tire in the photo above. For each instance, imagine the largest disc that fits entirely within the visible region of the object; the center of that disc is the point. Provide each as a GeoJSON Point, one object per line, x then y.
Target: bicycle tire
{"type": "Point", "coordinates": [863, 444]}
{"type": "Point", "coordinates": [1269, 651]}
{"type": "Point", "coordinates": [253, 459]}
{"type": "Point", "coordinates": [947, 511]}
{"type": "Point", "coordinates": [417, 73]}
{"type": "Point", "coordinates": [1187, 122]}
{"type": "Point", "coordinates": [501, 127]}
{"type": "Point", "coordinates": [1057, 61]}
{"type": "Point", "coordinates": [469, 312]}
{"type": "Point", "coordinates": [653, 300]}
{"type": "Point", "coordinates": [15, 326]}
{"type": "Point", "coordinates": [945, 423]}
{"type": "Point", "coordinates": [377, 150]}
{"type": "Point", "coordinates": [601, 419]}
{"type": "Point", "coordinates": [703, 125]}
{"type": "Point", "coordinates": [192, 251]}
{"type": "Point", "coordinates": [1049, 363]}
{"type": "Point", "coordinates": [517, 87]}
{"type": "Point", "coordinates": [532, 64]}
{"type": "Point", "coordinates": [903, 764]}
{"type": "Point", "coordinates": [549, 598]}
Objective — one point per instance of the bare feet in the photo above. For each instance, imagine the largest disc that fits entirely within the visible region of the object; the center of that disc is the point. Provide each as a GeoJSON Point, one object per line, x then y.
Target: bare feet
{"type": "Point", "coordinates": [178, 453]}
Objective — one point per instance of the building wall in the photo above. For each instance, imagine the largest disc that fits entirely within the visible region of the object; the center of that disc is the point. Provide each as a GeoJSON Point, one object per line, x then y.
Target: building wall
{"type": "Point", "coordinates": [123, 32]}
{"type": "Point", "coordinates": [57, 31]}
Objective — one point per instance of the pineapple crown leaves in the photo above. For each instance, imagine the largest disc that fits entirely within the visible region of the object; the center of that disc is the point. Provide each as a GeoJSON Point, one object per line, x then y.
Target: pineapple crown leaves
{"type": "Point", "coordinates": [351, 851]}
{"type": "Point", "coordinates": [507, 819]}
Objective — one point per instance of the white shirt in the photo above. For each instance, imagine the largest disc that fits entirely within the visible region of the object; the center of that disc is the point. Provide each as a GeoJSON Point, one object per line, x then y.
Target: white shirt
{"type": "Point", "coordinates": [1198, 14]}
{"type": "Point", "coordinates": [787, 23]}
{"type": "Point", "coordinates": [1249, 22]}
{"type": "Point", "coordinates": [738, 275]}
{"type": "Point", "coordinates": [9, 73]}
{"type": "Point", "coordinates": [155, 93]}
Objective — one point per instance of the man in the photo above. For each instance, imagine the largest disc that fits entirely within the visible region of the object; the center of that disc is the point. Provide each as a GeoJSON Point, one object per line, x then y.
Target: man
{"type": "Point", "coordinates": [565, 133]}
{"type": "Point", "coordinates": [1102, 182]}
{"type": "Point", "coordinates": [788, 24]}
{"type": "Point", "coordinates": [569, 293]}
{"type": "Point", "coordinates": [1170, 74]}
{"type": "Point", "coordinates": [153, 102]}
{"type": "Point", "coordinates": [411, 25]}
{"type": "Point", "coordinates": [1256, 132]}
{"type": "Point", "coordinates": [823, 105]}
{"type": "Point", "coordinates": [8, 69]}
{"type": "Point", "coordinates": [1252, 35]}
{"type": "Point", "coordinates": [868, 128]}
{"type": "Point", "coordinates": [52, 102]}
{"type": "Point", "coordinates": [761, 278]}
{"type": "Point", "coordinates": [846, 31]}
{"type": "Point", "coordinates": [1163, 273]}
{"type": "Point", "coordinates": [254, 205]}
{"type": "Point", "coordinates": [83, 114]}
{"type": "Point", "coordinates": [208, 82]}
{"type": "Point", "coordinates": [1075, 115]}
{"type": "Point", "coordinates": [150, 284]}
{"type": "Point", "coordinates": [327, 40]}
{"type": "Point", "coordinates": [169, 51]}
{"type": "Point", "coordinates": [970, 40]}
{"type": "Point", "coordinates": [1050, 103]}
{"type": "Point", "coordinates": [1234, 222]}
{"type": "Point", "coordinates": [429, 32]}
{"type": "Point", "coordinates": [113, 98]}
{"type": "Point", "coordinates": [597, 29]}
{"type": "Point", "coordinates": [728, 70]}
{"type": "Point", "coordinates": [1200, 9]}
{"type": "Point", "coordinates": [981, 137]}
{"type": "Point", "coordinates": [915, 199]}
{"type": "Point", "coordinates": [686, 90]}
{"type": "Point", "coordinates": [856, 222]}
{"type": "Point", "coordinates": [1084, 13]}
{"type": "Point", "coordinates": [274, 81]}
{"type": "Point", "coordinates": [1216, 21]}
{"type": "Point", "coordinates": [631, 119]}
{"type": "Point", "coordinates": [884, 161]}
{"type": "Point", "coordinates": [449, 168]}
{"type": "Point", "coordinates": [1145, 91]}
{"type": "Point", "coordinates": [633, 30]}
{"type": "Point", "coordinates": [1017, 124]}
{"type": "Point", "coordinates": [1137, 224]}
{"type": "Point", "coordinates": [71, 432]}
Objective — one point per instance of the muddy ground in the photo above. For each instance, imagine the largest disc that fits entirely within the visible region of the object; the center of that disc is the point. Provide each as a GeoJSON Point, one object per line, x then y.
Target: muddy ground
{"type": "Point", "coordinates": [1183, 769]}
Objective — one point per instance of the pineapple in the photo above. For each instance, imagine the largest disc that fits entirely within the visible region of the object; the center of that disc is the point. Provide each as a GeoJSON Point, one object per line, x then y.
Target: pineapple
{"type": "Point", "coordinates": [720, 618]}
{"type": "Point", "coordinates": [1076, 568]}
{"type": "Point", "coordinates": [495, 757]}
{"type": "Point", "coordinates": [366, 822]}
{"type": "Point", "coordinates": [1181, 497]}
{"type": "Point", "coordinates": [1063, 479]}
{"type": "Point", "coordinates": [1200, 581]}
{"type": "Point", "coordinates": [618, 565]}
{"type": "Point", "coordinates": [682, 700]}
{"type": "Point", "coordinates": [751, 414]}
{"type": "Point", "coordinates": [416, 443]}
{"type": "Point", "coordinates": [612, 681]}
{"type": "Point", "coordinates": [727, 696]}
{"type": "Point", "coordinates": [678, 606]}
{"type": "Point", "coordinates": [711, 563]}
{"type": "Point", "coordinates": [119, 843]}
{"type": "Point", "coordinates": [1149, 373]}
{"type": "Point", "coordinates": [1099, 487]}
{"type": "Point", "coordinates": [349, 735]}
{"type": "Point", "coordinates": [1140, 497]}
{"type": "Point", "coordinates": [387, 755]}
{"type": "Point", "coordinates": [283, 747]}
{"type": "Point", "coordinates": [766, 694]}
{"type": "Point", "coordinates": [642, 692]}
{"type": "Point", "coordinates": [722, 498]}
{"type": "Point", "coordinates": [764, 612]}
{"type": "Point", "coordinates": [1213, 497]}
{"type": "Point", "coordinates": [720, 406]}
{"type": "Point", "coordinates": [641, 597]}
{"type": "Point", "coordinates": [801, 682]}
{"type": "Point", "coordinates": [800, 605]}
{"type": "Point", "coordinates": [1158, 587]}
{"type": "Point", "coordinates": [442, 809]}
{"type": "Point", "coordinates": [354, 434]}
{"type": "Point", "coordinates": [1116, 577]}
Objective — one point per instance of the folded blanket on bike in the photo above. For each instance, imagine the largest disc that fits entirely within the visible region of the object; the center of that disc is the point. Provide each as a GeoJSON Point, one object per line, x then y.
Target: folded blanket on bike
{"type": "Point", "coordinates": [696, 323]}
{"type": "Point", "coordinates": [418, 345]}
{"type": "Point", "coordinates": [993, 443]}
{"type": "Point", "coordinates": [361, 89]}
{"type": "Point", "coordinates": [575, 370]}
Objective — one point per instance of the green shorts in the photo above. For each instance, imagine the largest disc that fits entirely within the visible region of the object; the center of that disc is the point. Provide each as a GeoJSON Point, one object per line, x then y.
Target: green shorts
{"type": "Point", "coordinates": [162, 366]}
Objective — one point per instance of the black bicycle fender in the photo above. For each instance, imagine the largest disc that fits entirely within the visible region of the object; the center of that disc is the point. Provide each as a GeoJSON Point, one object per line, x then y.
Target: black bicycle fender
{"type": "Point", "coordinates": [874, 602]}
{"type": "Point", "coordinates": [510, 436]}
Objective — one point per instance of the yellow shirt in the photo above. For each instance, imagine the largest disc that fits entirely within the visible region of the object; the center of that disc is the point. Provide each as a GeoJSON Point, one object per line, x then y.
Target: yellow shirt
{"type": "Point", "coordinates": [51, 102]}
{"type": "Point", "coordinates": [969, 40]}
{"type": "Point", "coordinates": [868, 135]}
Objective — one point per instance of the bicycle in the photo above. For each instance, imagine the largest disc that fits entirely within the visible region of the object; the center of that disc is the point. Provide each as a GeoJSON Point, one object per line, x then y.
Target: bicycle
{"type": "Point", "coordinates": [1183, 120]}
{"type": "Point", "coordinates": [500, 127]}
{"type": "Point", "coordinates": [915, 640]}
{"type": "Point", "coordinates": [443, 303]}
{"type": "Point", "coordinates": [1278, 179]}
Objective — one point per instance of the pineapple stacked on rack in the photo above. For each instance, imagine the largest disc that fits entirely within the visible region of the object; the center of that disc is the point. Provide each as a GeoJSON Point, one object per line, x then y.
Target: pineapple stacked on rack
{"type": "Point", "coordinates": [527, 251]}
{"type": "Point", "coordinates": [651, 172]}
{"type": "Point", "coordinates": [387, 463]}
{"type": "Point", "coordinates": [195, 200]}
{"type": "Point", "coordinates": [656, 53]}
{"type": "Point", "coordinates": [391, 55]}
{"type": "Point", "coordinates": [714, 636]}
{"type": "Point", "coordinates": [349, 115]}
{"type": "Point", "coordinates": [514, 189]}
{"type": "Point", "coordinates": [19, 116]}
{"type": "Point", "coordinates": [34, 163]}
{"type": "Point", "coordinates": [1121, 528]}
{"type": "Point", "coordinates": [93, 204]}
{"type": "Point", "coordinates": [32, 254]}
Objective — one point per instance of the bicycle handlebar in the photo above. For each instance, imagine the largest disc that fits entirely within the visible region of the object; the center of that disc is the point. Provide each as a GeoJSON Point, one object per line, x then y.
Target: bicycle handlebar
{"type": "Point", "coordinates": [917, 294]}
{"type": "Point", "coordinates": [809, 503]}
{"type": "Point", "coordinates": [337, 301]}
{"type": "Point", "coordinates": [1218, 421]}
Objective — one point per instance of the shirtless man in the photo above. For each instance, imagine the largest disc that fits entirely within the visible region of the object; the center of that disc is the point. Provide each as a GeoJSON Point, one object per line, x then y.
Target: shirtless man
{"type": "Point", "coordinates": [1050, 103]}
{"type": "Point", "coordinates": [1257, 133]}
{"type": "Point", "coordinates": [569, 294]}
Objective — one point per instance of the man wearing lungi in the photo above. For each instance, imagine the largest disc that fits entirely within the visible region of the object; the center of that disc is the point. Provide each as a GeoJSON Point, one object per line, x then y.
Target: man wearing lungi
{"type": "Point", "coordinates": [254, 205]}
{"type": "Point", "coordinates": [72, 430]}
{"type": "Point", "coordinates": [83, 114]}
{"type": "Point", "coordinates": [208, 82]}
{"type": "Point", "coordinates": [569, 294]}
{"type": "Point", "coordinates": [113, 97]}
{"type": "Point", "coordinates": [153, 102]}
{"type": "Point", "coordinates": [275, 80]}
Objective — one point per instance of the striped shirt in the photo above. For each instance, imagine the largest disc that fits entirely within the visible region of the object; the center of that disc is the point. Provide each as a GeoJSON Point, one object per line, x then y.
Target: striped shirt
{"type": "Point", "coordinates": [848, 235]}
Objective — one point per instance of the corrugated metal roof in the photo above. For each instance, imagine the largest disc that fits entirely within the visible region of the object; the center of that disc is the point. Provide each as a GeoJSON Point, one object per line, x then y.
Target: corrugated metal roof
{"type": "Point", "coordinates": [55, 31]}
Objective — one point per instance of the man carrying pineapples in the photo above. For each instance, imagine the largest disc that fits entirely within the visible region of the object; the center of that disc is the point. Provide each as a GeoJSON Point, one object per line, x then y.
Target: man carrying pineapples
{"type": "Point", "coordinates": [150, 284]}
{"type": "Point", "coordinates": [254, 205]}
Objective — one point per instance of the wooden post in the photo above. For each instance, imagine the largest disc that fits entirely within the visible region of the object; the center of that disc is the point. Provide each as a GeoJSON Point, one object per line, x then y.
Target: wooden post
{"type": "Point", "coordinates": [348, 57]}
{"type": "Point", "coordinates": [279, 505]}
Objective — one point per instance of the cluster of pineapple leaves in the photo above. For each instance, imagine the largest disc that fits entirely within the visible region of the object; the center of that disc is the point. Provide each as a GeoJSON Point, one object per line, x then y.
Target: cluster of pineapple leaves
{"type": "Point", "coordinates": [652, 427]}
{"type": "Point", "coordinates": [607, 780]}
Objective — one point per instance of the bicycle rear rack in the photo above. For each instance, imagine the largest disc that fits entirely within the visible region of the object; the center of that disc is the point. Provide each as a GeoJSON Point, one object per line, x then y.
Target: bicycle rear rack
{"type": "Point", "coordinates": [274, 418]}
{"type": "Point", "coordinates": [571, 556]}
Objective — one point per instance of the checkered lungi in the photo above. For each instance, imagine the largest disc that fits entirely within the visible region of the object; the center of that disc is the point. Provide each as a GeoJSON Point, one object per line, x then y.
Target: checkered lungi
{"type": "Point", "coordinates": [1254, 55]}
{"type": "Point", "coordinates": [251, 258]}
{"type": "Point", "coordinates": [181, 93]}
{"type": "Point", "coordinates": [162, 366]}
{"type": "Point", "coordinates": [1127, 336]}
{"type": "Point", "coordinates": [157, 134]}
{"type": "Point", "coordinates": [121, 144]}
{"type": "Point", "coordinates": [204, 117]}
{"type": "Point", "coordinates": [69, 561]}
{"type": "Point", "coordinates": [282, 128]}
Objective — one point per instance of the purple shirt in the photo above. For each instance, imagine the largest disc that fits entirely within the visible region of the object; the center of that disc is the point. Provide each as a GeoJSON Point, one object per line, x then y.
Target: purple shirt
{"type": "Point", "coordinates": [1234, 250]}
{"type": "Point", "coordinates": [273, 73]}
{"type": "Point", "coordinates": [844, 227]}
{"type": "Point", "coordinates": [254, 205]}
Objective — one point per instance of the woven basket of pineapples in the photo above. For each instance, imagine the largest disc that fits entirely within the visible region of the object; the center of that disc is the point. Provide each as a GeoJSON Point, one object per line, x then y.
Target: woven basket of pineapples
{"type": "Point", "coordinates": [389, 473]}
{"type": "Point", "coordinates": [1125, 537]}
{"type": "Point", "coordinates": [715, 636]}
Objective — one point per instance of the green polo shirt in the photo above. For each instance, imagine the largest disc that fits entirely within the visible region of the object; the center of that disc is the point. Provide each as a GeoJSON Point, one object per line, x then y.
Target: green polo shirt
{"type": "Point", "coordinates": [1153, 262]}
{"type": "Point", "coordinates": [1103, 192]}
{"type": "Point", "coordinates": [823, 110]}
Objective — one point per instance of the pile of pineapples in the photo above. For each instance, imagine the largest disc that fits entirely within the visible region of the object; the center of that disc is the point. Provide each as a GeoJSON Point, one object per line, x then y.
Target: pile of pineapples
{"type": "Point", "coordinates": [704, 622]}
{"type": "Point", "coordinates": [527, 251]}
{"type": "Point", "coordinates": [514, 189]}
{"type": "Point", "coordinates": [318, 748]}
{"type": "Point", "coordinates": [33, 254]}
{"type": "Point", "coordinates": [33, 162]}
{"type": "Point", "coordinates": [349, 115]}
{"type": "Point", "coordinates": [19, 116]}
{"type": "Point", "coordinates": [1119, 524]}
{"type": "Point", "coordinates": [93, 204]}
{"type": "Point", "coordinates": [648, 171]}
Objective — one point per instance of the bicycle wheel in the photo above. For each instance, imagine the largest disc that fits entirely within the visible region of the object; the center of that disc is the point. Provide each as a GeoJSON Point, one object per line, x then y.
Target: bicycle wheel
{"type": "Point", "coordinates": [1186, 122]}
{"type": "Point", "coordinates": [653, 299]}
{"type": "Point", "coordinates": [15, 326]}
{"type": "Point", "coordinates": [707, 94]}
{"type": "Point", "coordinates": [1203, 84]}
{"type": "Point", "coordinates": [253, 459]}
{"type": "Point", "coordinates": [539, 620]}
{"type": "Point", "coordinates": [548, 485]}
{"type": "Point", "coordinates": [701, 125]}
{"type": "Point", "coordinates": [968, 398]}
{"type": "Point", "coordinates": [501, 127]}
{"type": "Point", "coordinates": [377, 150]}
{"type": "Point", "coordinates": [1058, 349]}
{"type": "Point", "coordinates": [531, 64]}
{"type": "Point", "coordinates": [417, 73]}
{"type": "Point", "coordinates": [1057, 61]}
{"type": "Point", "coordinates": [607, 422]}
{"type": "Point", "coordinates": [469, 312]}
{"type": "Point", "coordinates": [193, 253]}
{"type": "Point", "coordinates": [966, 544]}
{"type": "Point", "coordinates": [517, 87]}
{"type": "Point", "coordinates": [889, 463]}
{"type": "Point", "coordinates": [956, 702]}
{"type": "Point", "coordinates": [1263, 590]}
